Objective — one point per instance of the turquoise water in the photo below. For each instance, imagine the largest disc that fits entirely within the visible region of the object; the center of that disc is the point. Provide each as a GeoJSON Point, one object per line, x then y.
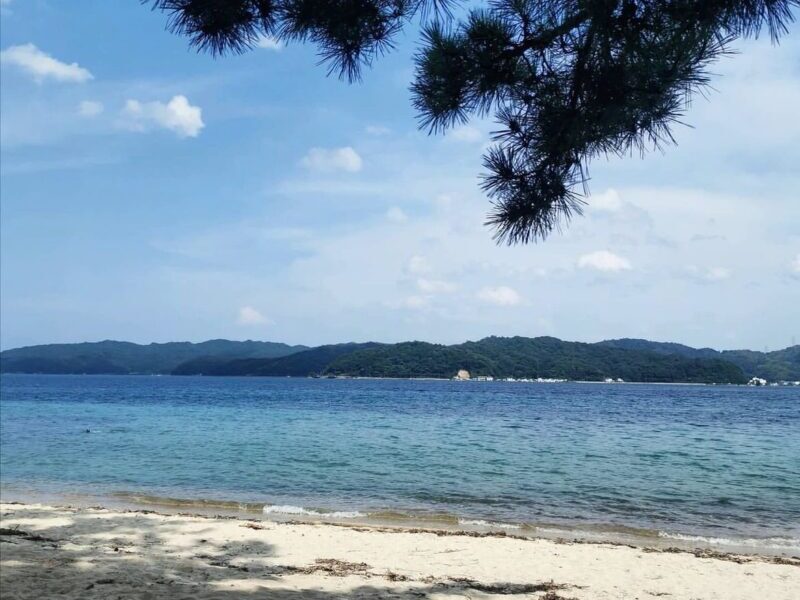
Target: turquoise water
{"type": "Point", "coordinates": [672, 461]}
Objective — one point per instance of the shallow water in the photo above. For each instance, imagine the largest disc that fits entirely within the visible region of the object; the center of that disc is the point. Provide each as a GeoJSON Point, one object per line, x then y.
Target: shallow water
{"type": "Point", "coordinates": [714, 463]}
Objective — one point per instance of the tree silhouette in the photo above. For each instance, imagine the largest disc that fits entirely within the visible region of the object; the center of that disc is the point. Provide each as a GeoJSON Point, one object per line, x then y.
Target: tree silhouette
{"type": "Point", "coordinates": [567, 80]}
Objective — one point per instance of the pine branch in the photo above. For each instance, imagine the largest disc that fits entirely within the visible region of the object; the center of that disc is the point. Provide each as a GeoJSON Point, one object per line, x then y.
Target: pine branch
{"type": "Point", "coordinates": [567, 80]}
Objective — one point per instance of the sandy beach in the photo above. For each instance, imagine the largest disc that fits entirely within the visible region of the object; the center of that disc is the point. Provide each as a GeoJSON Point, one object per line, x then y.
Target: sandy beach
{"type": "Point", "coordinates": [70, 552]}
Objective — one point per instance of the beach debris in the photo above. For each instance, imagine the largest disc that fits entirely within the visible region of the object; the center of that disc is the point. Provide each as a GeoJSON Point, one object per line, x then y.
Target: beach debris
{"type": "Point", "coordinates": [33, 537]}
{"type": "Point", "coordinates": [436, 532]}
{"type": "Point", "coordinates": [549, 587]}
{"type": "Point", "coordinates": [786, 560]}
{"type": "Point", "coordinates": [100, 582]}
{"type": "Point", "coordinates": [551, 595]}
{"type": "Point", "coordinates": [705, 553]}
{"type": "Point", "coordinates": [227, 565]}
{"type": "Point", "coordinates": [252, 525]}
{"type": "Point", "coordinates": [331, 566]}
{"type": "Point", "coordinates": [793, 561]}
{"type": "Point", "coordinates": [340, 568]}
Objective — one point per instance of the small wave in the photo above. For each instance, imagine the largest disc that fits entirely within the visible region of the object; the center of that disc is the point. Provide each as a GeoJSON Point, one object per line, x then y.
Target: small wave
{"type": "Point", "coordinates": [776, 543]}
{"type": "Point", "coordinates": [288, 509]}
{"type": "Point", "coordinates": [482, 523]}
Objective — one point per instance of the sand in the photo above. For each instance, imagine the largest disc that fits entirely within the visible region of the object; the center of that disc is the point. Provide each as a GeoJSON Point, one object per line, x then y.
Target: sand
{"type": "Point", "coordinates": [69, 552]}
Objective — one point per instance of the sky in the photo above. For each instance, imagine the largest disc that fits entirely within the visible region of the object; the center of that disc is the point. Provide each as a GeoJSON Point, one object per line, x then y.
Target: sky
{"type": "Point", "coordinates": [151, 193]}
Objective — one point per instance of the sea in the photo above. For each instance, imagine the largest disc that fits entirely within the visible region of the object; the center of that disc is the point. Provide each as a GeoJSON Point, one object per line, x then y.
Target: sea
{"type": "Point", "coordinates": [662, 465]}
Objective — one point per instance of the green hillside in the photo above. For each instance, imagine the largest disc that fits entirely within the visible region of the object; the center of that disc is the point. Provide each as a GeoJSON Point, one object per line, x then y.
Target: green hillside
{"type": "Point", "coordinates": [779, 365]}
{"type": "Point", "coordinates": [499, 357]}
{"type": "Point", "coordinates": [521, 357]}
{"type": "Point", "coordinates": [125, 357]}
{"type": "Point", "coordinates": [299, 364]}
{"type": "Point", "coordinates": [410, 359]}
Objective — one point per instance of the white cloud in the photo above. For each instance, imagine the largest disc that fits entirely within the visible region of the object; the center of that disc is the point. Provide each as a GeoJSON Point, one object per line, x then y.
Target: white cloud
{"type": "Point", "coordinates": [718, 274]}
{"type": "Point", "coordinates": [177, 115]}
{"type": "Point", "coordinates": [603, 260]}
{"type": "Point", "coordinates": [709, 273]}
{"type": "Point", "coordinates": [414, 302]}
{"type": "Point", "coordinates": [333, 159]}
{"type": "Point", "coordinates": [377, 130]}
{"type": "Point", "coordinates": [796, 264]}
{"type": "Point", "coordinates": [396, 215]}
{"type": "Point", "coordinates": [501, 296]}
{"type": "Point", "coordinates": [41, 65]}
{"type": "Point", "coordinates": [608, 201]}
{"type": "Point", "coordinates": [434, 286]}
{"type": "Point", "coordinates": [419, 265]}
{"type": "Point", "coordinates": [443, 202]}
{"type": "Point", "coordinates": [465, 133]}
{"type": "Point", "coordinates": [250, 316]}
{"type": "Point", "coordinates": [90, 108]}
{"type": "Point", "coordinates": [268, 42]}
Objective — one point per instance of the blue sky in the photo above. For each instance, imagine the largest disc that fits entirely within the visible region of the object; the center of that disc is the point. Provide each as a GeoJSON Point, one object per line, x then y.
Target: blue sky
{"type": "Point", "coordinates": [150, 193]}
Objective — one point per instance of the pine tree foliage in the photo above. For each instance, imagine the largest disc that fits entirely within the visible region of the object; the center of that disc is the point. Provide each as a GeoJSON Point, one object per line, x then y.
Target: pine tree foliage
{"type": "Point", "coordinates": [566, 80]}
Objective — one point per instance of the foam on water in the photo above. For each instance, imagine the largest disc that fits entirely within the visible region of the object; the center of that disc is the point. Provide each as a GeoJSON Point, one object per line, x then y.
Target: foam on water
{"type": "Point", "coordinates": [490, 524]}
{"type": "Point", "coordinates": [288, 509]}
{"type": "Point", "coordinates": [787, 544]}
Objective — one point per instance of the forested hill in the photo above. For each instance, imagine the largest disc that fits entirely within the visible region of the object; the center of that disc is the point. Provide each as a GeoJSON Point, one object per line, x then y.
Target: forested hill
{"type": "Point", "coordinates": [518, 357]}
{"type": "Point", "coordinates": [300, 364]}
{"type": "Point", "coordinates": [778, 365]}
{"type": "Point", "coordinates": [125, 357]}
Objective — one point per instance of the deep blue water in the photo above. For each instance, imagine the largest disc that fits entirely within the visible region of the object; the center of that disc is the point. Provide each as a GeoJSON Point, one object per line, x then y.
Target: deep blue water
{"type": "Point", "coordinates": [685, 460]}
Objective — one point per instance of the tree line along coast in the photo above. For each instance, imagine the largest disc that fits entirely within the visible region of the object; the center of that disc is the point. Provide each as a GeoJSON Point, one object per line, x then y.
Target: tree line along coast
{"type": "Point", "coordinates": [491, 358]}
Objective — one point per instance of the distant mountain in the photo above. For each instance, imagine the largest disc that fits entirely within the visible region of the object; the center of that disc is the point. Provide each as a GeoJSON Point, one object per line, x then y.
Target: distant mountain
{"type": "Point", "coordinates": [518, 357]}
{"type": "Point", "coordinates": [411, 359]}
{"type": "Point", "coordinates": [660, 347]}
{"type": "Point", "coordinates": [300, 364]}
{"type": "Point", "coordinates": [779, 365]}
{"type": "Point", "coordinates": [521, 357]}
{"type": "Point", "coordinates": [125, 357]}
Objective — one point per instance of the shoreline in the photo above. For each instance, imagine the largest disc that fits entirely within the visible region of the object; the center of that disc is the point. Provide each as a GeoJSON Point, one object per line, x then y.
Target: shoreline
{"type": "Point", "coordinates": [99, 552]}
{"type": "Point", "coordinates": [447, 523]}
{"type": "Point", "coordinates": [365, 378]}
{"type": "Point", "coordinates": [441, 531]}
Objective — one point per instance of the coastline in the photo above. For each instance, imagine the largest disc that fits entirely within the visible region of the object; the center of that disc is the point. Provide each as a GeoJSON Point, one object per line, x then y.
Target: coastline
{"type": "Point", "coordinates": [370, 378]}
{"type": "Point", "coordinates": [574, 532]}
{"type": "Point", "coordinates": [436, 379]}
{"type": "Point", "coordinates": [100, 552]}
